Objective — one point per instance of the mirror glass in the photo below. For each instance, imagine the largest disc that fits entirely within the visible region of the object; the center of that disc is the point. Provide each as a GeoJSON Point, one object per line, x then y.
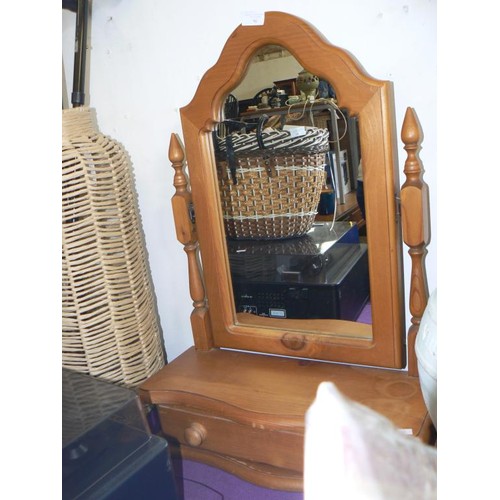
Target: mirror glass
{"type": "Point", "coordinates": [290, 183]}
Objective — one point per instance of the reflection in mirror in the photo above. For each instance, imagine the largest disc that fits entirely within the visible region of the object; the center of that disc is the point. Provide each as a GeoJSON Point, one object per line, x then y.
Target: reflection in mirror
{"type": "Point", "coordinates": [290, 181]}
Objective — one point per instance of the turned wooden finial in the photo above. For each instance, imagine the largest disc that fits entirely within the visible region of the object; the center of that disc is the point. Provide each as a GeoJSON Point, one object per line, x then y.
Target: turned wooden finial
{"type": "Point", "coordinates": [181, 201]}
{"type": "Point", "coordinates": [415, 222]}
{"type": "Point", "coordinates": [176, 156]}
{"type": "Point", "coordinates": [182, 206]}
{"type": "Point", "coordinates": [175, 149]}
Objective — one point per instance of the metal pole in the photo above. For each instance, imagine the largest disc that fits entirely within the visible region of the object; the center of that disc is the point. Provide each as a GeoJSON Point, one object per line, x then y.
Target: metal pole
{"type": "Point", "coordinates": [82, 15]}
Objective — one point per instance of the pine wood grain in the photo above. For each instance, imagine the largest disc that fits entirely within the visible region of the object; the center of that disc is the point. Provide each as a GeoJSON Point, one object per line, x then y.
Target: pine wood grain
{"type": "Point", "coordinates": [250, 407]}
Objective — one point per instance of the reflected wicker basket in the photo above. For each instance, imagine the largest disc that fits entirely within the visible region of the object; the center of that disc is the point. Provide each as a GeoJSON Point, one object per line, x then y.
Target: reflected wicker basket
{"type": "Point", "coordinates": [109, 324]}
{"type": "Point", "coordinates": [270, 182]}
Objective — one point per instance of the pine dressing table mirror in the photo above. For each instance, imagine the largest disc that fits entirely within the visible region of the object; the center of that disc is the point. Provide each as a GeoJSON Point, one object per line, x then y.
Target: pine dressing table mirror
{"type": "Point", "coordinates": [237, 399]}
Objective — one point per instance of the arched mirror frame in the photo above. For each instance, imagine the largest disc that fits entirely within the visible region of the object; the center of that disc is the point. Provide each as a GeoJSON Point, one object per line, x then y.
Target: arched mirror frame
{"type": "Point", "coordinates": [372, 101]}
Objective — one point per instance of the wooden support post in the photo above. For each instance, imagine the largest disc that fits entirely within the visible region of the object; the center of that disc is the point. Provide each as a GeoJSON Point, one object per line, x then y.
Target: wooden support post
{"type": "Point", "coordinates": [185, 228]}
{"type": "Point", "coordinates": [416, 230]}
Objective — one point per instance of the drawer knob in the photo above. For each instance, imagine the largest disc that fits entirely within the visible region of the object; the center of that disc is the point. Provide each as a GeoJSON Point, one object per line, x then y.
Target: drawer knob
{"type": "Point", "coordinates": [195, 434]}
{"type": "Point", "coordinates": [293, 341]}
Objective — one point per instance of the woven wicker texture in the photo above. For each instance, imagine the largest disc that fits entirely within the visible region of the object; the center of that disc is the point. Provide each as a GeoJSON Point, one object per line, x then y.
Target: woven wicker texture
{"type": "Point", "coordinates": [270, 182]}
{"type": "Point", "coordinates": [109, 324]}
{"type": "Point", "coordinates": [275, 197]}
{"type": "Point", "coordinates": [314, 140]}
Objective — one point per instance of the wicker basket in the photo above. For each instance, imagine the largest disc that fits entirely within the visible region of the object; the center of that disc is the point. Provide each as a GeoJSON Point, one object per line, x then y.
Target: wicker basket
{"type": "Point", "coordinates": [109, 324]}
{"type": "Point", "coordinates": [270, 182]}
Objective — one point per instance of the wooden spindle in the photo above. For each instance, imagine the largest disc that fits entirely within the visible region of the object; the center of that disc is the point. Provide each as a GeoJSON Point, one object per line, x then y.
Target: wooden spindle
{"type": "Point", "coordinates": [185, 228]}
{"type": "Point", "coordinates": [416, 228]}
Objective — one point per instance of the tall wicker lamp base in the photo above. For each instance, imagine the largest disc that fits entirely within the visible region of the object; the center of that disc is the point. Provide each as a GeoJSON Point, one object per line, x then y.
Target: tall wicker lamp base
{"type": "Point", "coordinates": [109, 322]}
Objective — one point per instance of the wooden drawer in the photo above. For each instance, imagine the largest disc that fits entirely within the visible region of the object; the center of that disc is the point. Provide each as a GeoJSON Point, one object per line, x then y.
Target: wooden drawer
{"type": "Point", "coordinates": [244, 413]}
{"type": "Point", "coordinates": [247, 441]}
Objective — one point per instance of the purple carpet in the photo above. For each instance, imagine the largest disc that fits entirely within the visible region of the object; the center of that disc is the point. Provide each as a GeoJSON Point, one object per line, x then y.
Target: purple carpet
{"type": "Point", "coordinates": [197, 481]}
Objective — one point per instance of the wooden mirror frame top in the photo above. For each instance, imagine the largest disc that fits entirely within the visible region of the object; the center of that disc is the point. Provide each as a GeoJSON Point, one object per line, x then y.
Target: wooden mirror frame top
{"type": "Point", "coordinates": [214, 320]}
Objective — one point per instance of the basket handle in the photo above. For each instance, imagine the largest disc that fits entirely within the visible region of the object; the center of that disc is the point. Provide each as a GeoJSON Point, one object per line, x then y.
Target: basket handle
{"type": "Point", "coordinates": [260, 141]}
{"type": "Point", "coordinates": [231, 159]}
{"type": "Point", "coordinates": [268, 160]}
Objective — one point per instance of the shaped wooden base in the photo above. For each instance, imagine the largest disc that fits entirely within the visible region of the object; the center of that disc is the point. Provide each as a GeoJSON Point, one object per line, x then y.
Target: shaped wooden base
{"type": "Point", "coordinates": [244, 412]}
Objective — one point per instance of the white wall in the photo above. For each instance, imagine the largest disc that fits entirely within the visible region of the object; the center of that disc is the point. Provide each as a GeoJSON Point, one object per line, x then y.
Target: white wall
{"type": "Point", "coordinates": [148, 56]}
{"type": "Point", "coordinates": [262, 74]}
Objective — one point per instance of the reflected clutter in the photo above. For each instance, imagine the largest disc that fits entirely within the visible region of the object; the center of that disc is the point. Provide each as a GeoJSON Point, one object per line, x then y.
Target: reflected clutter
{"type": "Point", "coordinates": [322, 273]}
